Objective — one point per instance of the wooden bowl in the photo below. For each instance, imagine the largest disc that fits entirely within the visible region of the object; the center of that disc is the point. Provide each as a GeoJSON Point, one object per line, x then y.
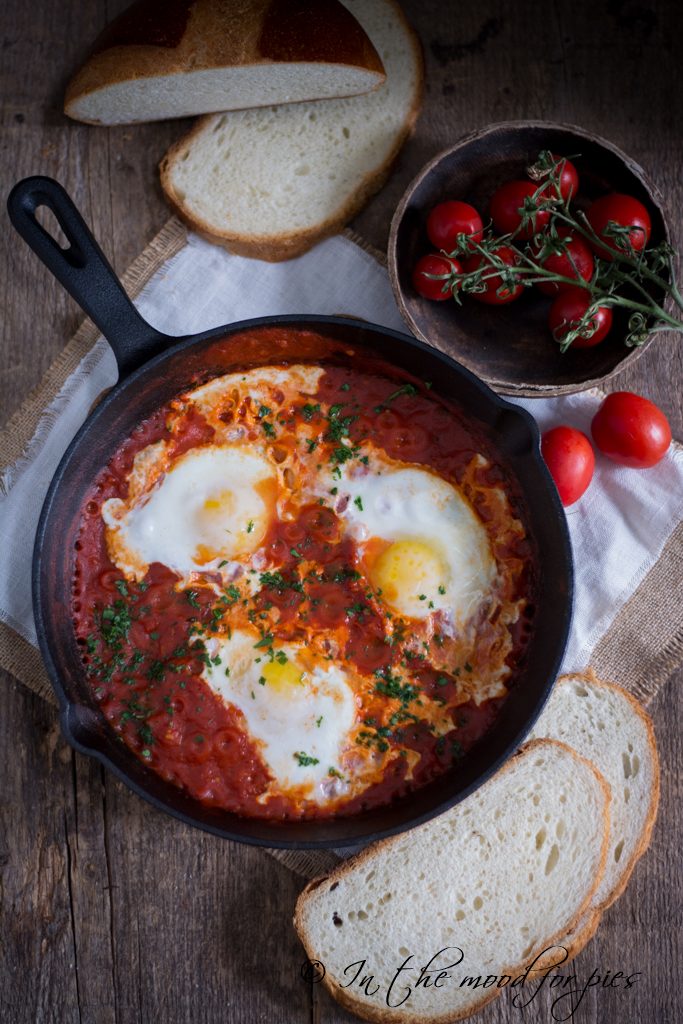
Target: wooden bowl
{"type": "Point", "coordinates": [510, 347]}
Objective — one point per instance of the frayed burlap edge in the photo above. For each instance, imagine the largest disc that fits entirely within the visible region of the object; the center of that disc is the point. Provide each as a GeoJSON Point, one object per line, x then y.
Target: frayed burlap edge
{"type": "Point", "coordinates": [634, 650]}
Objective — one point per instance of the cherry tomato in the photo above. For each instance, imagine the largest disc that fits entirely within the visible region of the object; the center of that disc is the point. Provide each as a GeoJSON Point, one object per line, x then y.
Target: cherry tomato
{"type": "Point", "coordinates": [569, 457]}
{"type": "Point", "coordinates": [431, 287]}
{"type": "Point", "coordinates": [624, 211]}
{"type": "Point", "coordinates": [568, 310]}
{"type": "Point", "coordinates": [569, 178]}
{"type": "Point", "coordinates": [448, 220]}
{"type": "Point", "coordinates": [578, 257]}
{"type": "Point", "coordinates": [506, 205]}
{"type": "Point", "coordinates": [491, 295]}
{"type": "Point", "coordinates": [631, 430]}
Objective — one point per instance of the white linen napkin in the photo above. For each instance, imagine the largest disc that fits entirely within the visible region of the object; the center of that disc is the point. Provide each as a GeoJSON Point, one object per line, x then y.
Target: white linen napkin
{"type": "Point", "coordinates": [618, 528]}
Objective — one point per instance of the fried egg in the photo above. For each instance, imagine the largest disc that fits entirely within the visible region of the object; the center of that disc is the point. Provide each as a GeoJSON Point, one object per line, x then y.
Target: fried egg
{"type": "Point", "coordinates": [301, 712]}
{"type": "Point", "coordinates": [421, 544]}
{"type": "Point", "coordinates": [212, 505]}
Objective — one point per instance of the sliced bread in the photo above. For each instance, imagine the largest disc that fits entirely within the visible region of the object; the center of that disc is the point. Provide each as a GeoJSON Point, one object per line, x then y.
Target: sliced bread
{"type": "Point", "coordinates": [501, 877]}
{"type": "Point", "coordinates": [608, 726]}
{"type": "Point", "coordinates": [271, 183]}
{"type": "Point", "coordinates": [175, 58]}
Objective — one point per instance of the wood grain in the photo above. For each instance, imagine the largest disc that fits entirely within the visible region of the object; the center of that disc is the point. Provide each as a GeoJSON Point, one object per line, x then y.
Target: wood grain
{"type": "Point", "coordinates": [109, 913]}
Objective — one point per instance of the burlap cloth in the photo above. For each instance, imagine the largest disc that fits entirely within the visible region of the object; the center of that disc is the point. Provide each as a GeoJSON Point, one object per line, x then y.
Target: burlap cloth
{"type": "Point", "coordinates": [641, 650]}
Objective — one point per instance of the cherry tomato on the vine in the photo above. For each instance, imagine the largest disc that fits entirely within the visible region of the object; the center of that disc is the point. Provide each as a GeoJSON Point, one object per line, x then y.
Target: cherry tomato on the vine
{"type": "Point", "coordinates": [428, 286]}
{"type": "Point", "coordinates": [506, 206]}
{"type": "Point", "coordinates": [567, 312]}
{"type": "Point", "coordinates": [631, 430]}
{"type": "Point", "coordinates": [568, 175]}
{"type": "Point", "coordinates": [448, 220]}
{"type": "Point", "coordinates": [495, 294]}
{"type": "Point", "coordinates": [569, 457]}
{"type": "Point", "coordinates": [626, 212]}
{"type": "Point", "coordinates": [576, 261]}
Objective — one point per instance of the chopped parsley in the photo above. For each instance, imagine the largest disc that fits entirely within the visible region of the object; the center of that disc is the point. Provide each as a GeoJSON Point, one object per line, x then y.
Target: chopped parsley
{"type": "Point", "coordinates": [391, 686]}
{"type": "Point", "coordinates": [405, 389]}
{"type": "Point", "coordinates": [308, 411]}
{"type": "Point", "coordinates": [265, 641]}
{"type": "Point", "coordinates": [358, 502]}
{"type": "Point", "coordinates": [305, 760]}
{"type": "Point", "coordinates": [116, 622]}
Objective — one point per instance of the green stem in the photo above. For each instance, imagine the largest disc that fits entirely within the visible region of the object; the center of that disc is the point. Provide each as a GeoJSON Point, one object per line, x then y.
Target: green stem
{"type": "Point", "coordinates": [619, 257]}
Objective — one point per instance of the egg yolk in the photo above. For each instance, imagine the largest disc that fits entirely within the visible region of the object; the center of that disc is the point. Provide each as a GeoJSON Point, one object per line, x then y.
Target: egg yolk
{"type": "Point", "coordinates": [407, 570]}
{"type": "Point", "coordinates": [282, 676]}
{"type": "Point", "coordinates": [217, 522]}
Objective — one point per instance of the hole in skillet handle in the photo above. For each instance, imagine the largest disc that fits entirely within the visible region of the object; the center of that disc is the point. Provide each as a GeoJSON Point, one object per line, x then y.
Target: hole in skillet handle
{"type": "Point", "coordinates": [83, 269]}
{"type": "Point", "coordinates": [48, 221]}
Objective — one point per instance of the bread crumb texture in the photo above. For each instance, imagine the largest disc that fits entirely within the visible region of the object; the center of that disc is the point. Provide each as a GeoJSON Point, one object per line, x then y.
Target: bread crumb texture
{"type": "Point", "coordinates": [608, 726]}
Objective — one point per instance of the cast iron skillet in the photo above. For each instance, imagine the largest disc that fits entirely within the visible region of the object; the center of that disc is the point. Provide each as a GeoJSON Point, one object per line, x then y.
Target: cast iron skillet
{"type": "Point", "coordinates": [154, 367]}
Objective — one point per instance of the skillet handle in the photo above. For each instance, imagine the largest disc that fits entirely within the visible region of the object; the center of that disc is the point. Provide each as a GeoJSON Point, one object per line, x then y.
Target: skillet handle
{"type": "Point", "coordinates": [84, 271]}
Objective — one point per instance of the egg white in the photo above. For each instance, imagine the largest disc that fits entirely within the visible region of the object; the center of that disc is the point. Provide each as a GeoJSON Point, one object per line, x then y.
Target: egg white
{"type": "Point", "coordinates": [300, 712]}
{"type": "Point", "coordinates": [211, 506]}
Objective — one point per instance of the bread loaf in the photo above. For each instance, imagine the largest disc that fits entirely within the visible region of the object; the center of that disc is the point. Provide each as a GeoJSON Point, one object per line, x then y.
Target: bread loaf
{"type": "Point", "coordinates": [608, 726]}
{"type": "Point", "coordinates": [174, 58]}
{"type": "Point", "coordinates": [502, 876]}
{"type": "Point", "coordinates": [271, 183]}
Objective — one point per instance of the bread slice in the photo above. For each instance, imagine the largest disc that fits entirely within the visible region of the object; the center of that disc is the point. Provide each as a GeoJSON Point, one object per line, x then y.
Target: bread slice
{"type": "Point", "coordinates": [174, 58]}
{"type": "Point", "coordinates": [608, 726]}
{"type": "Point", "coordinates": [501, 877]}
{"type": "Point", "coordinates": [271, 183]}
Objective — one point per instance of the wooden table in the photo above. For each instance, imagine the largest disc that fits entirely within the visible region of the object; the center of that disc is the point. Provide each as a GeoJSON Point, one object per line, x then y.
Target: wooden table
{"type": "Point", "coordinates": [110, 912]}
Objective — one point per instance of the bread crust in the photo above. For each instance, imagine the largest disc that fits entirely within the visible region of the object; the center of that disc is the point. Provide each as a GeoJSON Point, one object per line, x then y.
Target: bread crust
{"type": "Point", "coordinates": [591, 678]}
{"type": "Point", "coordinates": [382, 1016]}
{"type": "Point", "coordinates": [276, 248]}
{"type": "Point", "coordinates": [259, 36]}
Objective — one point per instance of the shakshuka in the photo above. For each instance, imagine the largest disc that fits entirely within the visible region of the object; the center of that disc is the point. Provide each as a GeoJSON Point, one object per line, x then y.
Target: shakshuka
{"type": "Point", "coordinates": [303, 590]}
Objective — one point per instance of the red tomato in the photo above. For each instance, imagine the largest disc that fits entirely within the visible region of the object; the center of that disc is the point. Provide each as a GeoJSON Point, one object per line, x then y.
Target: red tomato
{"type": "Point", "coordinates": [569, 178]}
{"type": "Point", "coordinates": [448, 220]}
{"type": "Point", "coordinates": [631, 430]}
{"type": "Point", "coordinates": [506, 207]}
{"type": "Point", "coordinates": [568, 310]}
{"type": "Point", "coordinates": [433, 287]}
{"type": "Point", "coordinates": [491, 295]}
{"type": "Point", "coordinates": [624, 211]}
{"type": "Point", "coordinates": [578, 257]}
{"type": "Point", "coordinates": [570, 459]}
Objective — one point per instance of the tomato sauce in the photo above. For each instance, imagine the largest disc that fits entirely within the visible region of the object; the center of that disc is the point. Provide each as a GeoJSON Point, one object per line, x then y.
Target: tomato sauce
{"type": "Point", "coordinates": [143, 642]}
